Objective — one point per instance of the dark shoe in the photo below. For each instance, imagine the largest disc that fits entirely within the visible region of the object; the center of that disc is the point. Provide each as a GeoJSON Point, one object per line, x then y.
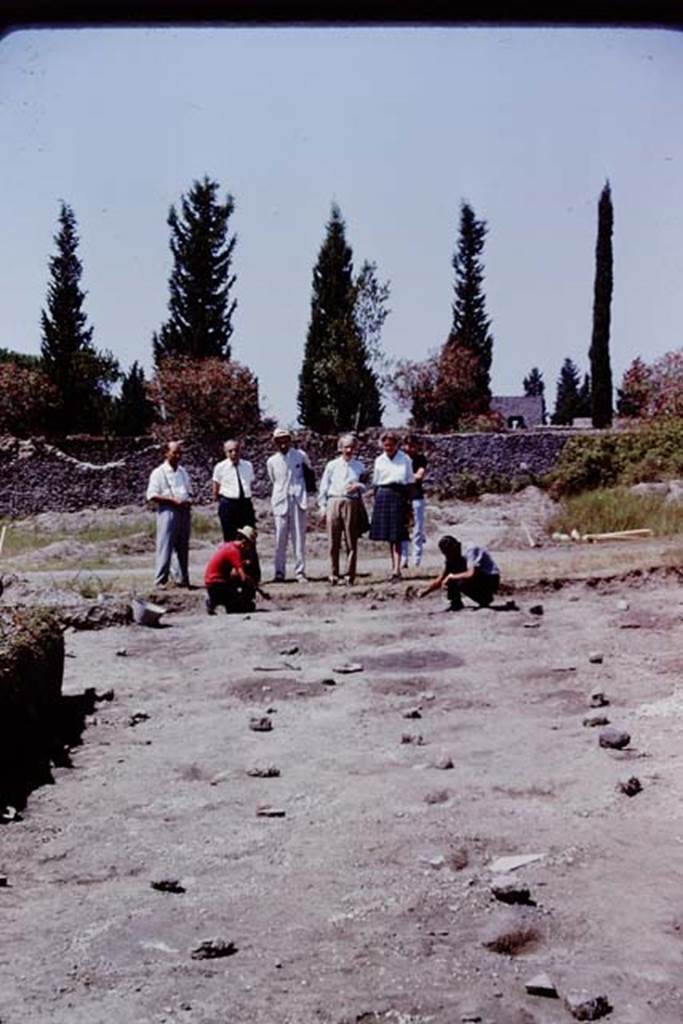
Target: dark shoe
{"type": "Point", "coordinates": [455, 606]}
{"type": "Point", "coordinates": [209, 605]}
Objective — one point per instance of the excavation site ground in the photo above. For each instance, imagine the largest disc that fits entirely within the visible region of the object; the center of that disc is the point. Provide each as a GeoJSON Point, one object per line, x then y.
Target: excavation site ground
{"type": "Point", "coordinates": [307, 814]}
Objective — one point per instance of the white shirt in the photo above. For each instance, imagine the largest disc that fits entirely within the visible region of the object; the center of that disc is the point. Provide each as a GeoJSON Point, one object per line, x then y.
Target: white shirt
{"type": "Point", "coordinates": [225, 475]}
{"type": "Point", "coordinates": [167, 482]}
{"type": "Point", "coordinates": [337, 476]}
{"type": "Point", "coordinates": [398, 470]}
{"type": "Point", "coordinates": [286, 474]}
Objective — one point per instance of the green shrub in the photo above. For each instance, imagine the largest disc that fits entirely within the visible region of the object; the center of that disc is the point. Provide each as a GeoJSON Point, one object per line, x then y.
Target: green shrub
{"type": "Point", "coordinates": [462, 486]}
{"type": "Point", "coordinates": [650, 452]}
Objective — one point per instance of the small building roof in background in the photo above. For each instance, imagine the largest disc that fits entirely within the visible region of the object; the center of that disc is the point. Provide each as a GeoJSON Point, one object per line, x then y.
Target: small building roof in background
{"type": "Point", "coordinates": [528, 408]}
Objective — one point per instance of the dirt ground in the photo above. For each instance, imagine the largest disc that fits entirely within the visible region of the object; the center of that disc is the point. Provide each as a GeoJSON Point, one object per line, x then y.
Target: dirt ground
{"type": "Point", "coordinates": [368, 897]}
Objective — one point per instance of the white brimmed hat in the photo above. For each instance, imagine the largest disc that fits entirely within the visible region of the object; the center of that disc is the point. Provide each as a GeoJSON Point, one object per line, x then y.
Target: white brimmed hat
{"type": "Point", "coordinates": [248, 532]}
{"type": "Point", "coordinates": [280, 432]}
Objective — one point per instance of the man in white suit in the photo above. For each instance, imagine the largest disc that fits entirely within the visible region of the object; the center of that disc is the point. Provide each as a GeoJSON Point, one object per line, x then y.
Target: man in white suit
{"type": "Point", "coordinates": [288, 500]}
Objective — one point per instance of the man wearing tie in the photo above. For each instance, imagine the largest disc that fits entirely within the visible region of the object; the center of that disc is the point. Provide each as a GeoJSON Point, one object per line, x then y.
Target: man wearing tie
{"type": "Point", "coordinates": [232, 480]}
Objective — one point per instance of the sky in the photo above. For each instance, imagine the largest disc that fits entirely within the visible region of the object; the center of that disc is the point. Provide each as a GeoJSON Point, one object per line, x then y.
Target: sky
{"type": "Point", "coordinates": [398, 126]}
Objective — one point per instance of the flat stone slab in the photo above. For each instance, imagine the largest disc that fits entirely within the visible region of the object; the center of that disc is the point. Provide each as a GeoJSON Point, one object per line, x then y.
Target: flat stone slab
{"type": "Point", "coordinates": [503, 864]}
{"type": "Point", "coordinates": [541, 985]}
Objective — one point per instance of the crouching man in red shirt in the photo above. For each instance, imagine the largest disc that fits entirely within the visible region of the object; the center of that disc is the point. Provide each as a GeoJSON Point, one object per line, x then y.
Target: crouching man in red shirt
{"type": "Point", "coordinates": [232, 576]}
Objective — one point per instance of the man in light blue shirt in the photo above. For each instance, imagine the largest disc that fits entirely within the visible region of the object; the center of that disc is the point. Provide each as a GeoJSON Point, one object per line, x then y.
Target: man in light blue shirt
{"type": "Point", "coordinates": [340, 500]}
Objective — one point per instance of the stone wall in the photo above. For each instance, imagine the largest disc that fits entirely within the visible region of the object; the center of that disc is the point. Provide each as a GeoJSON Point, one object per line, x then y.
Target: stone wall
{"type": "Point", "coordinates": [93, 472]}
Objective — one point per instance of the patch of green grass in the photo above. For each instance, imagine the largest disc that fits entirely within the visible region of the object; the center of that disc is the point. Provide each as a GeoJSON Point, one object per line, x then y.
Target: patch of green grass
{"type": "Point", "coordinates": [88, 585]}
{"type": "Point", "coordinates": [19, 539]}
{"type": "Point", "coordinates": [617, 508]}
{"type": "Point", "coordinates": [205, 527]}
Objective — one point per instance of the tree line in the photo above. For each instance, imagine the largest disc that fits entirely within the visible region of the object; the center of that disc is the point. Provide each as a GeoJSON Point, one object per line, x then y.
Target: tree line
{"type": "Point", "coordinates": [197, 386]}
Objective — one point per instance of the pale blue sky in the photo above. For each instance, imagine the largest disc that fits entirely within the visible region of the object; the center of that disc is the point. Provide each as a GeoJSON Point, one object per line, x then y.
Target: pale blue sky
{"type": "Point", "coordinates": [397, 125]}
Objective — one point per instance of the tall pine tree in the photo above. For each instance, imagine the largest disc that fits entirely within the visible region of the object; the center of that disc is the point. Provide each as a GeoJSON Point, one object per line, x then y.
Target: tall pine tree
{"type": "Point", "coordinates": [83, 377]}
{"type": "Point", "coordinates": [471, 327]}
{"type": "Point", "coordinates": [567, 397]}
{"type": "Point", "coordinates": [338, 388]}
{"type": "Point", "coordinates": [601, 370]}
{"type": "Point", "coordinates": [200, 308]}
{"type": "Point", "coordinates": [534, 386]}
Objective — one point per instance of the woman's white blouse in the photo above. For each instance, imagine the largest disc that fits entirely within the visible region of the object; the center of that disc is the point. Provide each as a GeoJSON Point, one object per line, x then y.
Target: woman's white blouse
{"type": "Point", "coordinates": [398, 470]}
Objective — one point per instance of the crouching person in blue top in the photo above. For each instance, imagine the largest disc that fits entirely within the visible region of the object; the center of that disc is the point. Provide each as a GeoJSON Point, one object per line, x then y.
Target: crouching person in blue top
{"type": "Point", "coordinates": [473, 574]}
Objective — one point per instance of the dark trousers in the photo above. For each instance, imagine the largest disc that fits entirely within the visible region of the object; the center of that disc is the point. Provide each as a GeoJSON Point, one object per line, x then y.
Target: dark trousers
{"type": "Point", "coordinates": [233, 514]}
{"type": "Point", "coordinates": [480, 588]}
{"type": "Point", "coordinates": [234, 595]}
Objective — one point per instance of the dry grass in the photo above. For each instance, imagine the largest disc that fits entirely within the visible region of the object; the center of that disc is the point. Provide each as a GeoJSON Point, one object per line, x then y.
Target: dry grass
{"type": "Point", "coordinates": [618, 508]}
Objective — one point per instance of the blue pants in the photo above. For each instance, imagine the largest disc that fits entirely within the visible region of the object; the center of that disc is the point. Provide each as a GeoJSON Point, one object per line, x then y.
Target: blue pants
{"type": "Point", "coordinates": [419, 535]}
{"type": "Point", "coordinates": [173, 537]}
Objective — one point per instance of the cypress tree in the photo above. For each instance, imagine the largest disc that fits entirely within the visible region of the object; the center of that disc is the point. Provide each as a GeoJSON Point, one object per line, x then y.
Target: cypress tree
{"type": "Point", "coordinates": [567, 398]}
{"type": "Point", "coordinates": [601, 370]}
{"type": "Point", "coordinates": [534, 386]}
{"type": "Point", "coordinates": [471, 326]}
{"type": "Point", "coordinates": [200, 308]}
{"type": "Point", "coordinates": [133, 412]}
{"type": "Point", "coordinates": [82, 376]}
{"type": "Point", "coordinates": [338, 389]}
{"type": "Point", "coordinates": [584, 401]}
{"type": "Point", "coordinates": [533, 383]}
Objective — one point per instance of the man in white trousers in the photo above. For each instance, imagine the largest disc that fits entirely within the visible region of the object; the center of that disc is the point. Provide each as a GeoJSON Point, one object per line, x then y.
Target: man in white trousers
{"type": "Point", "coordinates": [288, 500]}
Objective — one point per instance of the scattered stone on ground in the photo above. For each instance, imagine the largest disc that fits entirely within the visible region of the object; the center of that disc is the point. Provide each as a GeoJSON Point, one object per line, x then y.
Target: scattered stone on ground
{"type": "Point", "coordinates": [536, 609]}
{"type": "Point", "coordinates": [412, 737]}
{"type": "Point", "coordinates": [511, 892]}
{"type": "Point", "coordinates": [594, 720]}
{"type": "Point", "coordinates": [210, 949]}
{"type": "Point", "coordinates": [3, 881]}
{"type": "Point", "coordinates": [511, 935]}
{"type": "Point", "coordinates": [613, 738]}
{"type": "Point", "coordinates": [563, 668]}
{"type": "Point", "coordinates": [328, 681]}
{"type": "Point", "coordinates": [631, 786]}
{"type": "Point", "coordinates": [623, 606]}
{"type": "Point", "coordinates": [595, 658]}
{"type": "Point", "coordinates": [267, 772]}
{"type": "Point", "coordinates": [348, 667]}
{"type": "Point", "coordinates": [122, 652]}
{"type": "Point", "coordinates": [412, 713]}
{"type": "Point", "coordinates": [471, 1016]}
{"type": "Point", "coordinates": [444, 761]}
{"type": "Point", "coordinates": [437, 861]}
{"type": "Point", "coordinates": [584, 1006]}
{"type": "Point", "coordinates": [630, 624]}
{"type": "Point", "coordinates": [293, 649]}
{"type": "Point", "coordinates": [168, 885]}
{"type": "Point", "coordinates": [137, 717]}
{"type": "Point", "coordinates": [459, 858]}
{"type": "Point", "coordinates": [269, 812]}
{"type": "Point", "coordinates": [511, 863]}
{"type": "Point", "coordinates": [437, 796]}
{"type": "Point", "coordinates": [541, 985]}
{"type": "Point", "coordinates": [260, 723]}
{"type": "Point", "coordinates": [598, 699]}
{"type": "Point", "coordinates": [532, 625]}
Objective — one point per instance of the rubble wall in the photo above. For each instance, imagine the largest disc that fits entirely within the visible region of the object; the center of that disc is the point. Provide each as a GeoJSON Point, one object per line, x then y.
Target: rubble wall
{"type": "Point", "coordinates": [86, 472]}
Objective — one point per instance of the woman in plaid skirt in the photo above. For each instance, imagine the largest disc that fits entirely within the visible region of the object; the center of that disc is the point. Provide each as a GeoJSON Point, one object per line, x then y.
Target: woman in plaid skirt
{"type": "Point", "coordinates": [393, 473]}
